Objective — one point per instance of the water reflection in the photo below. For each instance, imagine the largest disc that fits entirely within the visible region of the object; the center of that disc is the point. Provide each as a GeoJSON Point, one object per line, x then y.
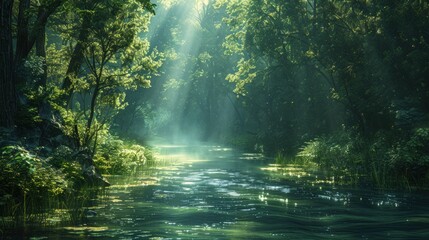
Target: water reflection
{"type": "Point", "coordinates": [203, 192]}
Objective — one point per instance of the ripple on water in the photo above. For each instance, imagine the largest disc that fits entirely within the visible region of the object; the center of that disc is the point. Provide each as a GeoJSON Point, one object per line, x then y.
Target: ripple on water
{"type": "Point", "coordinates": [228, 197]}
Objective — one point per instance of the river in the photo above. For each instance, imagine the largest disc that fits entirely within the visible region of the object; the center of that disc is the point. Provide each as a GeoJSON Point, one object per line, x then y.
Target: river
{"type": "Point", "coordinates": [211, 192]}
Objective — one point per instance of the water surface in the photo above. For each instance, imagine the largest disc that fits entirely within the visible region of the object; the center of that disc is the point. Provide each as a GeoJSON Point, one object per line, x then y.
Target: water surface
{"type": "Point", "coordinates": [211, 192]}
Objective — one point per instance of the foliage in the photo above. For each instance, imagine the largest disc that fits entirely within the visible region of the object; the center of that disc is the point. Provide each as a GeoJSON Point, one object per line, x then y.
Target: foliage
{"type": "Point", "coordinates": [310, 69]}
{"type": "Point", "coordinates": [307, 163]}
{"type": "Point", "coordinates": [63, 158]}
{"type": "Point", "coordinates": [339, 152]}
{"type": "Point", "coordinates": [383, 159]}
{"type": "Point", "coordinates": [410, 158]}
{"type": "Point", "coordinates": [283, 92]}
{"type": "Point", "coordinates": [113, 59]}
{"type": "Point", "coordinates": [24, 173]}
{"type": "Point", "coordinates": [118, 157]}
{"type": "Point", "coordinates": [26, 182]}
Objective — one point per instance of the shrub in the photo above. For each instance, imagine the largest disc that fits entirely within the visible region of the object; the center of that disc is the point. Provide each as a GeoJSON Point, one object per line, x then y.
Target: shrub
{"type": "Point", "coordinates": [22, 172]}
{"type": "Point", "coordinates": [339, 152]}
{"type": "Point", "coordinates": [26, 181]}
{"type": "Point", "coordinates": [115, 156]}
{"type": "Point", "coordinates": [410, 157]}
{"type": "Point", "coordinates": [62, 158]}
{"type": "Point", "coordinates": [388, 158]}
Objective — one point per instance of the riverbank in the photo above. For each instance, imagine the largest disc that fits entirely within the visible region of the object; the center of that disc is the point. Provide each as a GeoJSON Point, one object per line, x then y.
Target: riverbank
{"type": "Point", "coordinates": [41, 172]}
{"type": "Point", "coordinates": [389, 159]}
{"type": "Point", "coordinates": [384, 161]}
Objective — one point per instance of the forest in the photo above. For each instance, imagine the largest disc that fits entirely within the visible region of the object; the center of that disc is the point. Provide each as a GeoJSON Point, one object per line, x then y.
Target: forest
{"type": "Point", "coordinates": [87, 85]}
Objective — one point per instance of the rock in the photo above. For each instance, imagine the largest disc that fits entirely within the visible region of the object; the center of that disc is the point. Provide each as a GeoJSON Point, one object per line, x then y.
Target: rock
{"type": "Point", "coordinates": [90, 213]}
{"type": "Point", "coordinates": [94, 178]}
{"type": "Point", "coordinates": [52, 134]}
{"type": "Point", "coordinates": [4, 143]}
{"type": "Point", "coordinates": [8, 138]}
{"type": "Point", "coordinates": [89, 171]}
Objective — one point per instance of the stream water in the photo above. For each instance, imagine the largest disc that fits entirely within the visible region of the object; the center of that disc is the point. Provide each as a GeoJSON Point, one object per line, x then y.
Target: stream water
{"type": "Point", "coordinates": [210, 192]}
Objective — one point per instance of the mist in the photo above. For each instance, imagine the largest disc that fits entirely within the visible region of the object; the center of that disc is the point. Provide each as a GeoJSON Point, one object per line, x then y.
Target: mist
{"type": "Point", "coordinates": [190, 100]}
{"type": "Point", "coordinates": [223, 119]}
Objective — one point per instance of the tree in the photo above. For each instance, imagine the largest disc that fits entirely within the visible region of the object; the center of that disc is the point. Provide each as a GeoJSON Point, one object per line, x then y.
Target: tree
{"type": "Point", "coordinates": [30, 27]}
{"type": "Point", "coordinates": [7, 84]}
{"type": "Point", "coordinates": [275, 73]}
{"type": "Point", "coordinates": [29, 32]}
{"type": "Point", "coordinates": [362, 55]}
{"type": "Point", "coordinates": [115, 59]}
{"type": "Point", "coordinates": [84, 28]}
{"type": "Point", "coordinates": [208, 96]}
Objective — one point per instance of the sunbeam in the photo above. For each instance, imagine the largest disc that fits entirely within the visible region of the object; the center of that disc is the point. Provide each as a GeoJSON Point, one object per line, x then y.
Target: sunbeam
{"type": "Point", "coordinates": [214, 119]}
{"type": "Point", "coordinates": [176, 89]}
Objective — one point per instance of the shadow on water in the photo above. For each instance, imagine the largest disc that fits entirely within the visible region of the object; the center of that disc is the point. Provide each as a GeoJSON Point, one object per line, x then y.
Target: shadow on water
{"type": "Point", "coordinates": [211, 192]}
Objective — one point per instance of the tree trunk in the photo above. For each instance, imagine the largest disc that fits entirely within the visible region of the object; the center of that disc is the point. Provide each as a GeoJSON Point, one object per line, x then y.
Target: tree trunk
{"type": "Point", "coordinates": [41, 51]}
{"type": "Point", "coordinates": [26, 38]}
{"type": "Point", "coordinates": [88, 135]}
{"type": "Point", "coordinates": [7, 85]}
{"type": "Point", "coordinates": [22, 30]}
{"type": "Point", "coordinates": [76, 60]}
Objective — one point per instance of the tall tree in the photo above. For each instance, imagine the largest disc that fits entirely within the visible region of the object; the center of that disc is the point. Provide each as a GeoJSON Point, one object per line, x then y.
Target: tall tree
{"type": "Point", "coordinates": [30, 27]}
{"type": "Point", "coordinates": [114, 60]}
{"type": "Point", "coordinates": [7, 84]}
{"type": "Point", "coordinates": [85, 28]}
{"type": "Point", "coordinates": [29, 31]}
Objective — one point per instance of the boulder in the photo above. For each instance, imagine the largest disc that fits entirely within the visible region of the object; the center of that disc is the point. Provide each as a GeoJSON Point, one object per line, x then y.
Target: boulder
{"type": "Point", "coordinates": [94, 178]}
{"type": "Point", "coordinates": [90, 173]}
{"type": "Point", "coordinates": [52, 134]}
{"type": "Point", "coordinates": [8, 137]}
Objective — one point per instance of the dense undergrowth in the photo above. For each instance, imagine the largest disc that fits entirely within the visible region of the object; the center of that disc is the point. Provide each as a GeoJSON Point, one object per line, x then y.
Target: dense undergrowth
{"type": "Point", "coordinates": [36, 181]}
{"type": "Point", "coordinates": [116, 156]}
{"type": "Point", "coordinates": [386, 160]}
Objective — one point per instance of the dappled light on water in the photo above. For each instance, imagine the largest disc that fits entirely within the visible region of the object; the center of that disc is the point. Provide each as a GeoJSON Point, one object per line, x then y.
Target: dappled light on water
{"type": "Point", "coordinates": [211, 192]}
{"type": "Point", "coordinates": [179, 158]}
{"type": "Point", "coordinates": [251, 156]}
{"type": "Point", "coordinates": [139, 183]}
{"type": "Point", "coordinates": [307, 174]}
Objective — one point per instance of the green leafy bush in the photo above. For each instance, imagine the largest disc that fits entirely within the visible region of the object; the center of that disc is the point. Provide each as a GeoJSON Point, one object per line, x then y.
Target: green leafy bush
{"type": "Point", "coordinates": [388, 158]}
{"type": "Point", "coordinates": [339, 152]}
{"type": "Point", "coordinates": [62, 158]}
{"type": "Point", "coordinates": [410, 157]}
{"type": "Point", "coordinates": [24, 173]}
{"type": "Point", "coordinates": [115, 156]}
{"type": "Point", "coordinates": [379, 162]}
{"type": "Point", "coordinates": [26, 182]}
